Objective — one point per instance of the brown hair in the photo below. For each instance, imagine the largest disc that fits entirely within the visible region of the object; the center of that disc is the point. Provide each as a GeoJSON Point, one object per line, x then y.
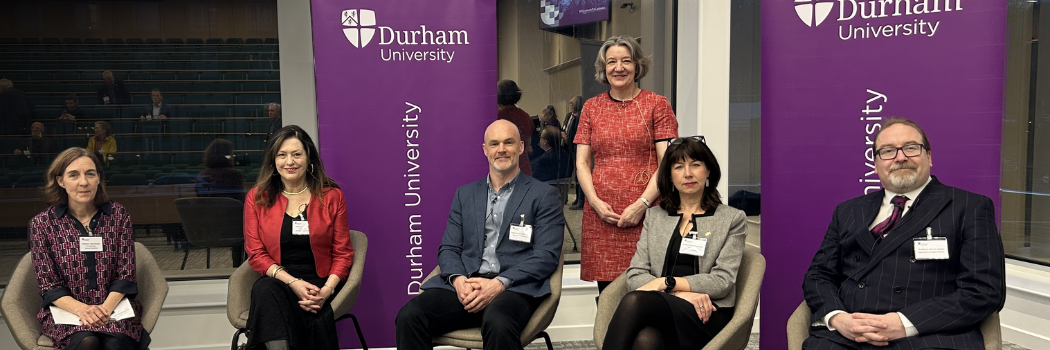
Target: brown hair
{"type": "Point", "coordinates": [641, 61]}
{"type": "Point", "coordinates": [695, 150]}
{"type": "Point", "coordinates": [215, 154]}
{"type": "Point", "coordinates": [105, 127]}
{"type": "Point", "coordinates": [55, 194]}
{"type": "Point", "coordinates": [267, 186]}
{"type": "Point", "coordinates": [898, 120]}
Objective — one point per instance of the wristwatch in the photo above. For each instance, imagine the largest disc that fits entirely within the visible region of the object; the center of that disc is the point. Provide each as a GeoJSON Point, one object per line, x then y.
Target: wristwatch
{"type": "Point", "coordinates": [669, 282]}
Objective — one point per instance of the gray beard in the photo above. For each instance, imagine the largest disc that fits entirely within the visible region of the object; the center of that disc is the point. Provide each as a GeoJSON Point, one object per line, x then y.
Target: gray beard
{"type": "Point", "coordinates": [903, 180]}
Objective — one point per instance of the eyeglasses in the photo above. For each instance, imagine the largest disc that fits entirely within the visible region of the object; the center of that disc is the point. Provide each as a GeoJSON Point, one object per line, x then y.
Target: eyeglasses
{"type": "Point", "coordinates": [910, 150]}
{"type": "Point", "coordinates": [680, 140]}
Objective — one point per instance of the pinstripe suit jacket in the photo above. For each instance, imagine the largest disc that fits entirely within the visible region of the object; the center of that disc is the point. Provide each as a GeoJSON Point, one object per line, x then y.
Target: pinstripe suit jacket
{"type": "Point", "coordinates": [946, 300]}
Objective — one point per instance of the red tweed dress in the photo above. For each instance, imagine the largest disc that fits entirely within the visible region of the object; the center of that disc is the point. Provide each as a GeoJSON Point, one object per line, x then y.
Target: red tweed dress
{"type": "Point", "coordinates": [622, 137]}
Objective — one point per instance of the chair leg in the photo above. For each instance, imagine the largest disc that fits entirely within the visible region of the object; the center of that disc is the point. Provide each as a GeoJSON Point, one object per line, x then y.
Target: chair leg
{"type": "Point", "coordinates": [547, 339]}
{"type": "Point", "coordinates": [237, 335]}
{"type": "Point", "coordinates": [184, 257]}
{"type": "Point", "coordinates": [207, 262]}
{"type": "Point", "coordinates": [360, 335]}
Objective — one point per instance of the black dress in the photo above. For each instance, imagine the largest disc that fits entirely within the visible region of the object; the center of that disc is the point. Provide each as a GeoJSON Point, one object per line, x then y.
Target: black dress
{"type": "Point", "coordinates": [275, 312]}
{"type": "Point", "coordinates": [692, 332]}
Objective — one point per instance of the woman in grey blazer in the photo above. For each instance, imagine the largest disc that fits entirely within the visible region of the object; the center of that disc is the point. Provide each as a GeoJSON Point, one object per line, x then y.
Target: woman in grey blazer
{"type": "Point", "coordinates": [683, 274]}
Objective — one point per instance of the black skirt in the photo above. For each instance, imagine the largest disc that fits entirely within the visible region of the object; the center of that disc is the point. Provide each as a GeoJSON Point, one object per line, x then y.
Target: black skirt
{"type": "Point", "coordinates": [275, 314]}
{"type": "Point", "coordinates": [692, 332]}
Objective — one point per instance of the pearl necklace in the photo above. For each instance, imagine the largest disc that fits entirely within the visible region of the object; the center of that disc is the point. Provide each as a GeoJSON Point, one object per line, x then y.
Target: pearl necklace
{"type": "Point", "coordinates": [295, 193]}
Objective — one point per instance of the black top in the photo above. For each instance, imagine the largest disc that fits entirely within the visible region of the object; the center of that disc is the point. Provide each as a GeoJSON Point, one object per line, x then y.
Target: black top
{"type": "Point", "coordinates": [682, 264]}
{"type": "Point", "coordinates": [297, 257]}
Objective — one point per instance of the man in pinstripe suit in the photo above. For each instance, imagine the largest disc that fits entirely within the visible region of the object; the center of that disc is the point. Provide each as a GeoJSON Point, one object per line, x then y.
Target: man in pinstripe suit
{"type": "Point", "coordinates": [867, 287]}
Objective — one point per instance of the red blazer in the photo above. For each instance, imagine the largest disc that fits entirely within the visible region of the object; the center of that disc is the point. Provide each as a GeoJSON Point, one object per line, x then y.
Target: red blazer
{"type": "Point", "coordinates": [329, 233]}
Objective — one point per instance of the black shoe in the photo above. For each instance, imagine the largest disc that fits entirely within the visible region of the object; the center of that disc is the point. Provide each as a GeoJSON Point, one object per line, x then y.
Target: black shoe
{"type": "Point", "coordinates": [576, 206]}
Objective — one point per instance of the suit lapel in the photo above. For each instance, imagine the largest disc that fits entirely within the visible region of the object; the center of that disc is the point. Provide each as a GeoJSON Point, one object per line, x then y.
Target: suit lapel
{"type": "Point", "coordinates": [869, 209]}
{"type": "Point", "coordinates": [481, 197]}
{"type": "Point", "coordinates": [521, 187]}
{"type": "Point", "coordinates": [925, 208]}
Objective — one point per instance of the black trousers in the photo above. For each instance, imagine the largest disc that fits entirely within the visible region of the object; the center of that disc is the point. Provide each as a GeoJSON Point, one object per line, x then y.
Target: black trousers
{"type": "Point", "coordinates": [438, 311]}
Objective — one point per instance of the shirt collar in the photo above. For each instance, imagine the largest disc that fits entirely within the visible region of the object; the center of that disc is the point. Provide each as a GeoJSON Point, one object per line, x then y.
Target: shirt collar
{"type": "Point", "coordinates": [912, 195]}
{"type": "Point", "coordinates": [508, 186]}
{"type": "Point", "coordinates": [63, 209]}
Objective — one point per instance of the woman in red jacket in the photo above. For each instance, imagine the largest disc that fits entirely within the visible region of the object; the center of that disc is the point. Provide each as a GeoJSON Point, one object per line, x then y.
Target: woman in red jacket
{"type": "Point", "coordinates": [297, 237]}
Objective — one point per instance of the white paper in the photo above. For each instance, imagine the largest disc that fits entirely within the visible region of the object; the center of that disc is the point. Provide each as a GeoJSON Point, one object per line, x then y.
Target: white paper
{"type": "Point", "coordinates": [693, 247]}
{"type": "Point", "coordinates": [300, 228]}
{"type": "Point", "coordinates": [932, 249]}
{"type": "Point", "coordinates": [122, 311]}
{"type": "Point", "coordinates": [521, 233]}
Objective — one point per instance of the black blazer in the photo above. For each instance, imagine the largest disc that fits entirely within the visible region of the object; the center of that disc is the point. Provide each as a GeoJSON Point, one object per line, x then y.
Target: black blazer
{"type": "Point", "coordinates": [120, 95]}
{"type": "Point", "coordinates": [946, 300]}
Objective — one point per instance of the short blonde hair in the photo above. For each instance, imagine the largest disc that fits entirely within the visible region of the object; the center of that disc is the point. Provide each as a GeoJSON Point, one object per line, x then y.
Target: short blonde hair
{"type": "Point", "coordinates": [642, 62]}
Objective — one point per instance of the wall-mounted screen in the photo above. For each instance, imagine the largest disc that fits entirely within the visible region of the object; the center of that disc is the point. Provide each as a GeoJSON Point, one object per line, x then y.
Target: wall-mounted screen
{"type": "Point", "coordinates": [562, 13]}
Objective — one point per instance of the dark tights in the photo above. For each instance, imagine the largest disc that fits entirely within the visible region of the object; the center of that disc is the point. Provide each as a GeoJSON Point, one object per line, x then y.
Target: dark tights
{"type": "Point", "coordinates": [642, 321]}
{"type": "Point", "coordinates": [96, 343]}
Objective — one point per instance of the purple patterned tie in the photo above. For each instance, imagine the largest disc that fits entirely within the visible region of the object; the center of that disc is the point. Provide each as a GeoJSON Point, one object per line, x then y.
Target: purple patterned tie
{"type": "Point", "coordinates": [898, 207]}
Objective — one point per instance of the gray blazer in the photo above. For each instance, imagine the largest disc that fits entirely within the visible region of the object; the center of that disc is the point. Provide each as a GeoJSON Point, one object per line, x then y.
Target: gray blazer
{"type": "Point", "coordinates": [529, 266]}
{"type": "Point", "coordinates": [718, 266]}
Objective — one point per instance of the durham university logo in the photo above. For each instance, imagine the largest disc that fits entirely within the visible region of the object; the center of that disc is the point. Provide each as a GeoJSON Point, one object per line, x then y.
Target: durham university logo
{"type": "Point", "coordinates": [813, 12]}
{"type": "Point", "coordinates": [360, 26]}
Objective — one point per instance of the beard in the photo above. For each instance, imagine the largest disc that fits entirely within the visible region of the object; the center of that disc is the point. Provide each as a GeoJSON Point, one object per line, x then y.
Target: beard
{"type": "Point", "coordinates": [903, 175]}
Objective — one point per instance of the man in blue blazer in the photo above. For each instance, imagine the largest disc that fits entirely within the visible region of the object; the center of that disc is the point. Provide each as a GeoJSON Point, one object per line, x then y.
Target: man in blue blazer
{"type": "Point", "coordinates": [158, 109]}
{"type": "Point", "coordinates": [917, 265]}
{"type": "Point", "coordinates": [501, 245]}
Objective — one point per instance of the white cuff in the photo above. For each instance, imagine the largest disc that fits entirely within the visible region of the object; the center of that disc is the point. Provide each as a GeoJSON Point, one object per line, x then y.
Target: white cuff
{"type": "Point", "coordinates": [827, 320]}
{"type": "Point", "coordinates": [909, 328]}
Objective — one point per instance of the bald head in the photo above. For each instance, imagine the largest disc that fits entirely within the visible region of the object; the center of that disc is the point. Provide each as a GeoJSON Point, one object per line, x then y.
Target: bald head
{"type": "Point", "coordinates": [501, 127]}
{"type": "Point", "coordinates": [503, 146]}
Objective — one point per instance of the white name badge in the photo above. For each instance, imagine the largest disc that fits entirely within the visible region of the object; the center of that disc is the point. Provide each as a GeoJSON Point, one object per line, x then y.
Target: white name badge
{"type": "Point", "coordinates": [90, 244]}
{"type": "Point", "coordinates": [693, 246]}
{"type": "Point", "coordinates": [935, 248]}
{"type": "Point", "coordinates": [300, 227]}
{"type": "Point", "coordinates": [521, 233]}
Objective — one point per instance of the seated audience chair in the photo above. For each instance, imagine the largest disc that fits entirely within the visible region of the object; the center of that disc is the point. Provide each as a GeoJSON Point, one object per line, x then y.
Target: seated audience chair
{"type": "Point", "coordinates": [734, 336]}
{"type": "Point", "coordinates": [213, 222]}
{"type": "Point", "coordinates": [798, 329]}
{"type": "Point", "coordinates": [238, 298]}
{"type": "Point", "coordinates": [21, 300]}
{"type": "Point", "coordinates": [470, 338]}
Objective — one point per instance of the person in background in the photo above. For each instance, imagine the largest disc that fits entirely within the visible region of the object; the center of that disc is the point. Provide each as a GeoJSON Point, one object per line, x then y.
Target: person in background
{"type": "Point", "coordinates": [273, 110]}
{"type": "Point", "coordinates": [219, 178]}
{"type": "Point", "coordinates": [72, 110]}
{"type": "Point", "coordinates": [549, 117]}
{"type": "Point", "coordinates": [14, 109]}
{"type": "Point", "coordinates": [568, 135]}
{"type": "Point", "coordinates": [77, 276]}
{"type": "Point", "coordinates": [37, 145]}
{"type": "Point", "coordinates": [683, 274]}
{"type": "Point", "coordinates": [102, 142]}
{"type": "Point", "coordinates": [158, 109]}
{"type": "Point", "coordinates": [507, 95]}
{"type": "Point", "coordinates": [297, 237]}
{"type": "Point", "coordinates": [112, 91]}
{"type": "Point", "coordinates": [554, 163]}
{"type": "Point", "coordinates": [621, 134]}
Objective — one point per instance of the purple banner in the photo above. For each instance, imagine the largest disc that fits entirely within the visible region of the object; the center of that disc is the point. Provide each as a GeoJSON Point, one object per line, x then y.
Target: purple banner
{"type": "Point", "coordinates": [405, 90]}
{"type": "Point", "coordinates": [831, 72]}
{"type": "Point", "coordinates": [561, 13]}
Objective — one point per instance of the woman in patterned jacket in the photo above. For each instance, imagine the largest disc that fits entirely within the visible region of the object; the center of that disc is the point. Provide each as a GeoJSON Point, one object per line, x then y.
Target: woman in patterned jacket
{"type": "Point", "coordinates": [84, 256]}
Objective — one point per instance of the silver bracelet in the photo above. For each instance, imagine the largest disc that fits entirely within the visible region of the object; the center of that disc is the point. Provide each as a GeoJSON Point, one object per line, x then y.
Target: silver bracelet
{"type": "Point", "coordinates": [646, 201]}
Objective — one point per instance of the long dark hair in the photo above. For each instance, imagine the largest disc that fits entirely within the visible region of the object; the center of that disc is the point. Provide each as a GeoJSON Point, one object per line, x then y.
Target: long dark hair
{"type": "Point", "coordinates": [267, 186]}
{"type": "Point", "coordinates": [694, 150]}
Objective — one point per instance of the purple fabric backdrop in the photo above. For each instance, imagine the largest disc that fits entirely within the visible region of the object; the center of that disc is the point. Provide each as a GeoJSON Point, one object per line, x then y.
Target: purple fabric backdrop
{"type": "Point", "coordinates": [405, 90]}
{"type": "Point", "coordinates": [833, 69]}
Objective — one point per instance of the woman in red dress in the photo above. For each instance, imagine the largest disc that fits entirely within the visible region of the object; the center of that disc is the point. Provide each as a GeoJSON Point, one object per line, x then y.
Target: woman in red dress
{"type": "Point", "coordinates": [621, 133]}
{"type": "Point", "coordinates": [507, 95]}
